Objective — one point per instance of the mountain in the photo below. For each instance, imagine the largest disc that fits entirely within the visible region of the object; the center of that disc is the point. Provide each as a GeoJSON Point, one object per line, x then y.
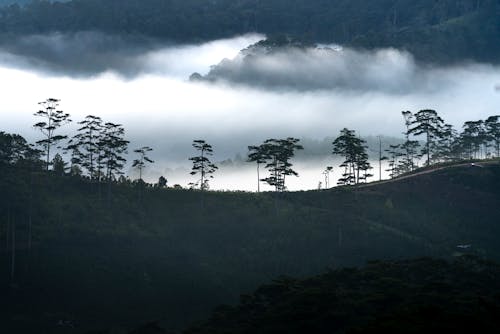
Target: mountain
{"type": "Point", "coordinates": [434, 31]}
{"type": "Point", "coordinates": [415, 296]}
{"type": "Point", "coordinates": [173, 254]}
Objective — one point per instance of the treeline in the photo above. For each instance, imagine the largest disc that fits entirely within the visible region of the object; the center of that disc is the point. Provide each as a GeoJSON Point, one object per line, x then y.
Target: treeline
{"type": "Point", "coordinates": [99, 149]}
{"type": "Point", "coordinates": [442, 143]}
{"type": "Point", "coordinates": [432, 30]}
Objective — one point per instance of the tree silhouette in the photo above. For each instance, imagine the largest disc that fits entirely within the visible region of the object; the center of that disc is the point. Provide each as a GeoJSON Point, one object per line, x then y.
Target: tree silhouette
{"type": "Point", "coordinates": [257, 154]}
{"type": "Point", "coordinates": [492, 125]}
{"type": "Point", "coordinates": [410, 147]}
{"type": "Point", "coordinates": [53, 119]}
{"type": "Point", "coordinates": [277, 154]}
{"type": "Point", "coordinates": [446, 144]}
{"type": "Point", "coordinates": [429, 123]}
{"type": "Point", "coordinates": [14, 149]}
{"type": "Point", "coordinates": [355, 162]}
{"type": "Point", "coordinates": [85, 144]}
{"type": "Point", "coordinates": [202, 164]}
{"type": "Point", "coordinates": [162, 182]}
{"type": "Point", "coordinates": [143, 159]}
{"type": "Point", "coordinates": [393, 155]}
{"type": "Point", "coordinates": [326, 173]}
{"type": "Point", "coordinates": [58, 165]}
{"type": "Point", "coordinates": [112, 147]}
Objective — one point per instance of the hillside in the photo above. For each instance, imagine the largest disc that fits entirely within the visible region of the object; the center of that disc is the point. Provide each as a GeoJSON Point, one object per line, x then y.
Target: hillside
{"type": "Point", "coordinates": [435, 31]}
{"type": "Point", "coordinates": [415, 296]}
{"type": "Point", "coordinates": [120, 258]}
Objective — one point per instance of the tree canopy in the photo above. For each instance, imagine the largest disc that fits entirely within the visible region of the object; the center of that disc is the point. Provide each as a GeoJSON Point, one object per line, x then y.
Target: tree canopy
{"type": "Point", "coordinates": [447, 30]}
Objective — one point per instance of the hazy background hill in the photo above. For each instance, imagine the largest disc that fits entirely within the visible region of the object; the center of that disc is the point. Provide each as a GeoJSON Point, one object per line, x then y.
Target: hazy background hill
{"type": "Point", "coordinates": [438, 31]}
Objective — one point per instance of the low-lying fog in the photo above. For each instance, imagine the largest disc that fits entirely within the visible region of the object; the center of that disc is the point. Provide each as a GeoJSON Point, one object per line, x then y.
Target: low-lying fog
{"type": "Point", "coordinates": [307, 94]}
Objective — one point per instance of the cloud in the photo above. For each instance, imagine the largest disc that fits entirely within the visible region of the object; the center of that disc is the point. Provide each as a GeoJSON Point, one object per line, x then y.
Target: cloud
{"type": "Point", "coordinates": [332, 67]}
{"type": "Point", "coordinates": [89, 53]}
{"type": "Point", "coordinates": [161, 109]}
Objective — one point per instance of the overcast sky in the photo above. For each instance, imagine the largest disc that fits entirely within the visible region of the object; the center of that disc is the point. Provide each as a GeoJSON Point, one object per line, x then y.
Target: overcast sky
{"type": "Point", "coordinates": [311, 93]}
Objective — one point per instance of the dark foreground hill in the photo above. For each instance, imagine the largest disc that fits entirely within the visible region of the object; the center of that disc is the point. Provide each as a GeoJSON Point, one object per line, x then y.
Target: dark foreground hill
{"type": "Point", "coordinates": [116, 257]}
{"type": "Point", "coordinates": [417, 296]}
{"type": "Point", "coordinates": [436, 31]}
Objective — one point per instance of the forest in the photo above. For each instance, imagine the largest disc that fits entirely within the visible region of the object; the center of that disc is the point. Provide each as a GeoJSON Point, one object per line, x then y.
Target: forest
{"type": "Point", "coordinates": [98, 151]}
{"type": "Point", "coordinates": [434, 31]}
{"type": "Point", "coordinates": [113, 217]}
{"type": "Point", "coordinates": [77, 232]}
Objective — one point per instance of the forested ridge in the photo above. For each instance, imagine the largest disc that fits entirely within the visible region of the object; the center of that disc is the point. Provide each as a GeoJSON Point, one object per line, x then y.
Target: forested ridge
{"type": "Point", "coordinates": [172, 254]}
{"type": "Point", "coordinates": [436, 31]}
{"type": "Point", "coordinates": [422, 295]}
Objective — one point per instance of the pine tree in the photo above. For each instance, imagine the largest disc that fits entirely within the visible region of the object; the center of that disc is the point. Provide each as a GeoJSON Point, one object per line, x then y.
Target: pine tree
{"type": "Point", "coordinates": [53, 120]}
{"type": "Point", "coordinates": [492, 126]}
{"type": "Point", "coordinates": [355, 162]}
{"type": "Point", "coordinates": [202, 165]}
{"type": "Point", "coordinates": [113, 146]}
{"type": "Point", "coordinates": [410, 147]}
{"type": "Point", "coordinates": [277, 154]}
{"type": "Point", "coordinates": [428, 123]}
{"type": "Point", "coordinates": [257, 154]}
{"type": "Point", "coordinates": [85, 145]}
{"type": "Point", "coordinates": [394, 153]}
{"type": "Point", "coordinates": [473, 138]}
{"type": "Point", "coordinates": [143, 159]}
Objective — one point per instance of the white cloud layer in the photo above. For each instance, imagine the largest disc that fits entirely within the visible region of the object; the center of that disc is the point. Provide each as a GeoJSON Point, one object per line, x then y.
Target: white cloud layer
{"type": "Point", "coordinates": [160, 108]}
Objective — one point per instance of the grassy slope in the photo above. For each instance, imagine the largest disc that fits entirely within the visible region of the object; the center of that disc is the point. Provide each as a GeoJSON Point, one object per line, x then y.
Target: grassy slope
{"type": "Point", "coordinates": [123, 262]}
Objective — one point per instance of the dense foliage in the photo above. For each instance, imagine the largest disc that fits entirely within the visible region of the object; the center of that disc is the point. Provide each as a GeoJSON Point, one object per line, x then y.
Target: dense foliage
{"type": "Point", "coordinates": [432, 30]}
{"type": "Point", "coordinates": [384, 297]}
{"type": "Point", "coordinates": [89, 250]}
{"type": "Point", "coordinates": [167, 257]}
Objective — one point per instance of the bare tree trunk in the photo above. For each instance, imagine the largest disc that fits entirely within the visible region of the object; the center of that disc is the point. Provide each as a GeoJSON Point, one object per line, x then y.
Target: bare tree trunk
{"type": "Point", "coordinates": [428, 151]}
{"type": "Point", "coordinates": [258, 177]}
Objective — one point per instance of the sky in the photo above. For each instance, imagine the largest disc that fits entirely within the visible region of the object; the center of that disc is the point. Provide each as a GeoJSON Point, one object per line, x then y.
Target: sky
{"type": "Point", "coordinates": [306, 94]}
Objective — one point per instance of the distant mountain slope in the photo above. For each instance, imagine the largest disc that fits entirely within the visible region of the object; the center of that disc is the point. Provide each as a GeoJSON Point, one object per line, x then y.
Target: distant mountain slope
{"type": "Point", "coordinates": [438, 31]}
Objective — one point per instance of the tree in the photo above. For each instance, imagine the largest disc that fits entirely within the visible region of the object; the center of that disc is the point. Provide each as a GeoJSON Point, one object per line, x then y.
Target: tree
{"type": "Point", "coordinates": [202, 164]}
{"type": "Point", "coordinates": [257, 154]}
{"type": "Point", "coordinates": [85, 144]}
{"type": "Point", "coordinates": [162, 182]}
{"type": "Point", "coordinates": [326, 173]}
{"type": "Point", "coordinates": [446, 144]}
{"type": "Point", "coordinates": [112, 147]}
{"type": "Point", "coordinates": [492, 126]}
{"type": "Point", "coordinates": [277, 154]}
{"type": "Point", "coordinates": [355, 162]}
{"type": "Point", "coordinates": [429, 123]}
{"type": "Point", "coordinates": [58, 165]}
{"type": "Point", "coordinates": [143, 159]}
{"type": "Point", "coordinates": [14, 149]}
{"type": "Point", "coordinates": [53, 119]}
{"type": "Point", "coordinates": [394, 153]}
{"type": "Point", "coordinates": [410, 147]}
{"type": "Point", "coordinates": [473, 138]}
